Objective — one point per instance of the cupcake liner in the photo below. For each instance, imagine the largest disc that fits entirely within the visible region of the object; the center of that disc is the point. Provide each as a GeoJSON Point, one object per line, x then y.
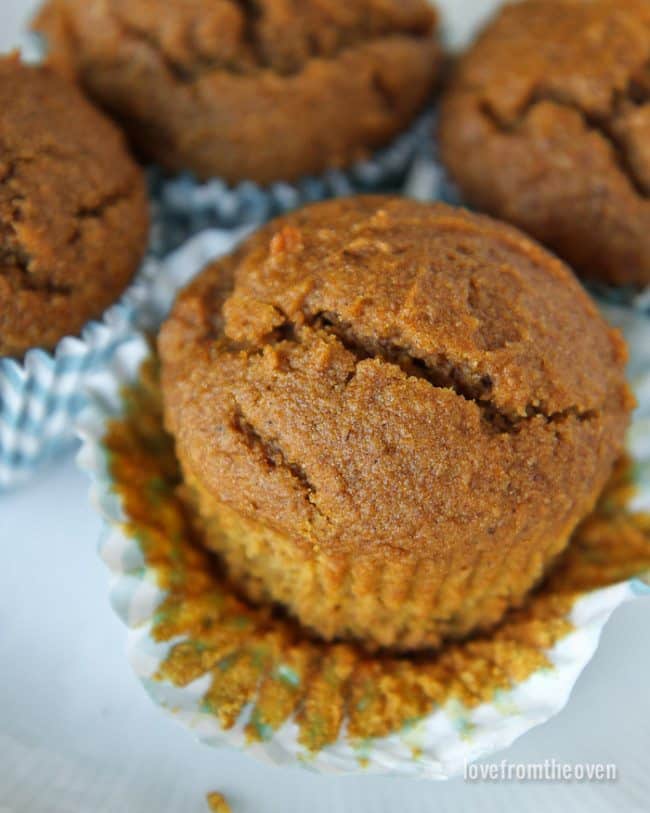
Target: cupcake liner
{"type": "Point", "coordinates": [626, 296]}
{"type": "Point", "coordinates": [185, 206]}
{"type": "Point", "coordinates": [428, 178]}
{"type": "Point", "coordinates": [41, 396]}
{"type": "Point", "coordinates": [220, 681]}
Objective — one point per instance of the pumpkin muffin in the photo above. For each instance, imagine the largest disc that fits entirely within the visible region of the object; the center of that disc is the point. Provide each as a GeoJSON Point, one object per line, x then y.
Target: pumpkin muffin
{"type": "Point", "coordinates": [73, 210]}
{"type": "Point", "coordinates": [263, 91]}
{"type": "Point", "coordinates": [546, 124]}
{"type": "Point", "coordinates": [391, 416]}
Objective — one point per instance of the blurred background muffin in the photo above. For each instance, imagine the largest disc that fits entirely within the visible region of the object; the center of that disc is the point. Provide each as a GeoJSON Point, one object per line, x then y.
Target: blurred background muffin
{"type": "Point", "coordinates": [546, 124]}
{"type": "Point", "coordinates": [264, 91]}
{"type": "Point", "coordinates": [73, 210]}
{"type": "Point", "coordinates": [391, 415]}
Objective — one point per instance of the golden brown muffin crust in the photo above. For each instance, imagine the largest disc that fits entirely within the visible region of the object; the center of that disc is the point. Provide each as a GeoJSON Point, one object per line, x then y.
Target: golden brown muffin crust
{"type": "Point", "coordinates": [73, 210]}
{"type": "Point", "coordinates": [375, 374]}
{"type": "Point", "coordinates": [547, 124]}
{"type": "Point", "coordinates": [265, 90]}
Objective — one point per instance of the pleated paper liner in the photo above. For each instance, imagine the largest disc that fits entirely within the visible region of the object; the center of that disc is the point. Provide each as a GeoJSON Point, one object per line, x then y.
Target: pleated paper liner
{"type": "Point", "coordinates": [249, 677]}
{"type": "Point", "coordinates": [184, 206]}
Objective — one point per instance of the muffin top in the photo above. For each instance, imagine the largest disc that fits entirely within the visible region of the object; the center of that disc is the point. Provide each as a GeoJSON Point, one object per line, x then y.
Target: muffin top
{"type": "Point", "coordinates": [379, 372]}
{"type": "Point", "coordinates": [547, 124]}
{"type": "Point", "coordinates": [73, 210]}
{"type": "Point", "coordinates": [250, 90]}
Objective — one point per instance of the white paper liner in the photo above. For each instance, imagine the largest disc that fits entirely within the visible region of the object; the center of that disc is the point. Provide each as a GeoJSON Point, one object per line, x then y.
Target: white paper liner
{"type": "Point", "coordinates": [41, 396]}
{"type": "Point", "coordinates": [446, 739]}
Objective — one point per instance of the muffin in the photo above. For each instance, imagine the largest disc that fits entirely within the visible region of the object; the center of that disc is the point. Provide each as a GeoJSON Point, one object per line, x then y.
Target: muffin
{"type": "Point", "coordinates": [73, 210]}
{"type": "Point", "coordinates": [391, 416]}
{"type": "Point", "coordinates": [546, 124]}
{"type": "Point", "coordinates": [250, 91]}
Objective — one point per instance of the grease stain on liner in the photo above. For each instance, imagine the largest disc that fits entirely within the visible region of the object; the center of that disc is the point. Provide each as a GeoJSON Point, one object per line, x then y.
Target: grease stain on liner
{"type": "Point", "coordinates": [247, 677]}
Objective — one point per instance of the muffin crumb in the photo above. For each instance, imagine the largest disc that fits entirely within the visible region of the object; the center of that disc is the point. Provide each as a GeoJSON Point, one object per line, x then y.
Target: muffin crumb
{"type": "Point", "coordinates": [217, 803]}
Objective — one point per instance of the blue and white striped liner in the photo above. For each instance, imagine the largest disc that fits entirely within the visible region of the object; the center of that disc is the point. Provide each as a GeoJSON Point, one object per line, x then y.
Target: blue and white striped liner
{"type": "Point", "coordinates": [41, 397]}
{"type": "Point", "coordinates": [184, 206]}
{"type": "Point", "coordinates": [625, 296]}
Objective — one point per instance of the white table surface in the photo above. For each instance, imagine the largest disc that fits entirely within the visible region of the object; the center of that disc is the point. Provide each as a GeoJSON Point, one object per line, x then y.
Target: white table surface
{"type": "Point", "coordinates": [79, 735]}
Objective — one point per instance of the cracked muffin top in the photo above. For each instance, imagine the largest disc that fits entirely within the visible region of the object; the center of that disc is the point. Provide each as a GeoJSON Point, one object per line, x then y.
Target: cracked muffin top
{"type": "Point", "coordinates": [73, 210]}
{"type": "Point", "coordinates": [266, 90]}
{"type": "Point", "coordinates": [380, 372]}
{"type": "Point", "coordinates": [547, 124]}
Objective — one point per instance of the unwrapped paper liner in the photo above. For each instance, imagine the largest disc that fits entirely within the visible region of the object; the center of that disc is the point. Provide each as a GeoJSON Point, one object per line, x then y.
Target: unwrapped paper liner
{"type": "Point", "coordinates": [439, 744]}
